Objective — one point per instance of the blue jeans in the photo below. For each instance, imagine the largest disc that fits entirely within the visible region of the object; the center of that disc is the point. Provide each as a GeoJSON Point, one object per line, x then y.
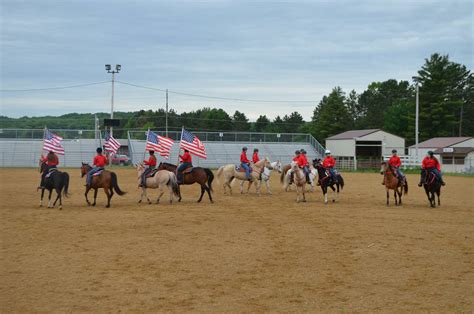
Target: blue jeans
{"type": "Point", "coordinates": [399, 173]}
{"type": "Point", "coordinates": [332, 173]}
{"type": "Point", "coordinates": [180, 169]}
{"type": "Point", "coordinates": [437, 173]}
{"type": "Point", "coordinates": [144, 174]}
{"type": "Point", "coordinates": [90, 173]}
{"type": "Point", "coordinates": [247, 169]}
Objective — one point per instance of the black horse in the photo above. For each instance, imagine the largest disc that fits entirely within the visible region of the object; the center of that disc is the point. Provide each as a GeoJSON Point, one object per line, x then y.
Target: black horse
{"type": "Point", "coordinates": [432, 186]}
{"type": "Point", "coordinates": [197, 175]}
{"type": "Point", "coordinates": [54, 180]}
{"type": "Point", "coordinates": [325, 180]}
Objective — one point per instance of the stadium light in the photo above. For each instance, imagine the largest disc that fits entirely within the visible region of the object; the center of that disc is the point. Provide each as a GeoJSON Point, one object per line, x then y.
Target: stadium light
{"type": "Point", "coordinates": [108, 68]}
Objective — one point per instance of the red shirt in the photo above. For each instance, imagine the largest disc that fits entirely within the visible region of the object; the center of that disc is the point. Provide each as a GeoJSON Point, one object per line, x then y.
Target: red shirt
{"type": "Point", "coordinates": [429, 163]}
{"type": "Point", "coordinates": [243, 158]}
{"type": "Point", "coordinates": [296, 158]}
{"type": "Point", "coordinates": [186, 157]}
{"type": "Point", "coordinates": [395, 161]}
{"type": "Point", "coordinates": [302, 161]}
{"type": "Point", "coordinates": [100, 161]}
{"type": "Point", "coordinates": [53, 162]}
{"type": "Point", "coordinates": [329, 162]}
{"type": "Point", "coordinates": [255, 158]}
{"type": "Point", "coordinates": [151, 161]}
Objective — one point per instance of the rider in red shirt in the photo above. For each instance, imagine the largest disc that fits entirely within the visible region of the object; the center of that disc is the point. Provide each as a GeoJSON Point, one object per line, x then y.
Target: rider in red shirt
{"type": "Point", "coordinates": [329, 163]}
{"type": "Point", "coordinates": [244, 162]}
{"type": "Point", "coordinates": [431, 164]}
{"type": "Point", "coordinates": [396, 163]}
{"type": "Point", "coordinates": [255, 157]}
{"type": "Point", "coordinates": [186, 162]}
{"type": "Point", "coordinates": [303, 163]}
{"type": "Point", "coordinates": [99, 162]}
{"type": "Point", "coordinates": [151, 163]}
{"type": "Point", "coordinates": [52, 161]}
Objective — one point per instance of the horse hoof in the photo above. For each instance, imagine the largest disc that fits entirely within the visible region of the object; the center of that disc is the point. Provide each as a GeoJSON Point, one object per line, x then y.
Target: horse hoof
{"type": "Point", "coordinates": [60, 207]}
{"type": "Point", "coordinates": [93, 204]}
{"type": "Point", "coordinates": [139, 201]}
{"type": "Point", "coordinates": [107, 206]}
{"type": "Point", "coordinates": [334, 201]}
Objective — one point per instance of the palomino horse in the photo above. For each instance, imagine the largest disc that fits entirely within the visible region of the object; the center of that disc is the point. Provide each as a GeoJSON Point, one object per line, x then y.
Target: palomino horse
{"type": "Point", "coordinates": [300, 181]}
{"type": "Point", "coordinates": [432, 186]}
{"type": "Point", "coordinates": [106, 180]}
{"type": "Point", "coordinates": [267, 171]}
{"type": "Point", "coordinates": [230, 173]}
{"type": "Point", "coordinates": [325, 181]}
{"type": "Point", "coordinates": [197, 175]}
{"type": "Point", "coordinates": [391, 182]}
{"type": "Point", "coordinates": [285, 177]}
{"type": "Point", "coordinates": [56, 180]}
{"type": "Point", "coordinates": [161, 179]}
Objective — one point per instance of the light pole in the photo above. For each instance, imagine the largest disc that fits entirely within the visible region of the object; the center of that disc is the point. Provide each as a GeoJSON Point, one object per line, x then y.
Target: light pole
{"type": "Point", "coordinates": [416, 79]}
{"type": "Point", "coordinates": [108, 68]}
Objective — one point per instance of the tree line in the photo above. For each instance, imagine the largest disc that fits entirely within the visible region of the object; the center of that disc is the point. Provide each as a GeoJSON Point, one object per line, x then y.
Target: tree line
{"type": "Point", "coordinates": [446, 93]}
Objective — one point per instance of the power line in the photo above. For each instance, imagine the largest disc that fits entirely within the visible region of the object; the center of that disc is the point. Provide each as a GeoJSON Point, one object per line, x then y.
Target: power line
{"type": "Point", "coordinates": [51, 88]}
{"type": "Point", "coordinates": [216, 97]}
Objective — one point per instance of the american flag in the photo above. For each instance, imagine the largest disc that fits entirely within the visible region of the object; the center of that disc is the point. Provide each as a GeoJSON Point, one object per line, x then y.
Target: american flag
{"type": "Point", "coordinates": [111, 145]}
{"type": "Point", "coordinates": [191, 142]}
{"type": "Point", "coordinates": [52, 142]}
{"type": "Point", "coordinates": [158, 143]}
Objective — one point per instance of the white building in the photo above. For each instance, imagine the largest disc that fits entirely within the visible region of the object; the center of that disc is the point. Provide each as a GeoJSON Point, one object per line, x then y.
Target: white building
{"type": "Point", "coordinates": [366, 147]}
{"type": "Point", "coordinates": [456, 154]}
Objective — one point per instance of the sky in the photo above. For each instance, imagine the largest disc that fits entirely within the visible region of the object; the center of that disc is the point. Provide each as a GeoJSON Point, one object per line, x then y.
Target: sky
{"type": "Point", "coordinates": [278, 56]}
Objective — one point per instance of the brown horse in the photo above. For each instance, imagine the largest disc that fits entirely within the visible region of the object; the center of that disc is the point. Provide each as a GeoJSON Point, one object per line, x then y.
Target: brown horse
{"type": "Point", "coordinates": [197, 175]}
{"type": "Point", "coordinates": [393, 183]}
{"type": "Point", "coordinates": [107, 180]}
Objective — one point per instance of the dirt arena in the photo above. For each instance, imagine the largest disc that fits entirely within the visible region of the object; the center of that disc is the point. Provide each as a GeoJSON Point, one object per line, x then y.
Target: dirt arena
{"type": "Point", "coordinates": [242, 254]}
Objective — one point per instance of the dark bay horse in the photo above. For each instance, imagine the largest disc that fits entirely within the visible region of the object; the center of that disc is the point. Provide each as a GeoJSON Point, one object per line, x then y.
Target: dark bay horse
{"type": "Point", "coordinates": [107, 180]}
{"type": "Point", "coordinates": [432, 186]}
{"type": "Point", "coordinates": [55, 180]}
{"type": "Point", "coordinates": [392, 182]}
{"type": "Point", "coordinates": [325, 181]}
{"type": "Point", "coordinates": [197, 175]}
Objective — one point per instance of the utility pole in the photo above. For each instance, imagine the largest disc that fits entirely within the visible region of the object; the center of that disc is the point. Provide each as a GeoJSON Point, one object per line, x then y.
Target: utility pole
{"type": "Point", "coordinates": [166, 114]}
{"type": "Point", "coordinates": [417, 114]}
{"type": "Point", "coordinates": [108, 68]}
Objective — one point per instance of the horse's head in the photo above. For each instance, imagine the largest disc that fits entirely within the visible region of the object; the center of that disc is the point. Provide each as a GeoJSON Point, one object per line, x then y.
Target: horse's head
{"type": "Point", "coordinates": [316, 163]}
{"type": "Point", "coordinates": [42, 166]}
{"type": "Point", "coordinates": [268, 163]}
{"type": "Point", "coordinates": [85, 168]}
{"type": "Point", "coordinates": [294, 165]}
{"type": "Point", "coordinates": [383, 167]}
{"type": "Point", "coordinates": [277, 165]}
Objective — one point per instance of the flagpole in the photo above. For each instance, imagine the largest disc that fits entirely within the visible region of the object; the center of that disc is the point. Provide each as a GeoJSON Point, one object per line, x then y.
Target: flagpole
{"type": "Point", "coordinates": [179, 148]}
{"type": "Point", "coordinates": [147, 137]}
{"type": "Point", "coordinates": [42, 146]}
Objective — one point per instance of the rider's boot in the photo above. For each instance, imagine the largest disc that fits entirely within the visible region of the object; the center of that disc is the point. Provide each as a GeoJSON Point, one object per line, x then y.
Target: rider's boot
{"type": "Point", "coordinates": [420, 183]}
{"type": "Point", "coordinates": [442, 182]}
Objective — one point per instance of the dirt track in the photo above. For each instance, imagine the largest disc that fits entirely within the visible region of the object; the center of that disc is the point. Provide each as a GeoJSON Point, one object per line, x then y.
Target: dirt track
{"type": "Point", "coordinates": [242, 254]}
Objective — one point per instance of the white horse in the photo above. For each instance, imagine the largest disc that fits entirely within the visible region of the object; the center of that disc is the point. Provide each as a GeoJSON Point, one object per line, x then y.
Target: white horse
{"type": "Point", "coordinates": [161, 179]}
{"type": "Point", "coordinates": [267, 171]}
{"type": "Point", "coordinates": [286, 178]}
{"type": "Point", "coordinates": [299, 179]}
{"type": "Point", "coordinates": [230, 173]}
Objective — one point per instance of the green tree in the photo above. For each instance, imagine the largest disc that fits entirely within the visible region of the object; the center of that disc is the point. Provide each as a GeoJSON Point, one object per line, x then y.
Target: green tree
{"type": "Point", "coordinates": [261, 124]}
{"type": "Point", "coordinates": [240, 121]}
{"type": "Point", "coordinates": [292, 123]}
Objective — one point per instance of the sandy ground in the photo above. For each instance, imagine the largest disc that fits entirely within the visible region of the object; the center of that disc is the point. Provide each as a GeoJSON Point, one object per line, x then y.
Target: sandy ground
{"type": "Point", "coordinates": [242, 254]}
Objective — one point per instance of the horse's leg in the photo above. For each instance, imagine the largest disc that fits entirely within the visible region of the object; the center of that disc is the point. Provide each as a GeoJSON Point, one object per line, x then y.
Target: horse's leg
{"type": "Point", "coordinates": [438, 192]}
{"type": "Point", "coordinates": [388, 196]}
{"type": "Point", "coordinates": [304, 191]}
{"type": "Point", "coordinates": [209, 193]}
{"type": "Point", "coordinates": [170, 189]}
{"type": "Point", "coordinates": [109, 196]}
{"type": "Point", "coordinates": [202, 192]}
{"type": "Point", "coordinates": [160, 195]}
{"type": "Point", "coordinates": [267, 184]}
{"type": "Point", "coordinates": [400, 192]}
{"type": "Point", "coordinates": [58, 197]}
{"type": "Point", "coordinates": [49, 198]}
{"type": "Point", "coordinates": [144, 193]}
{"type": "Point", "coordinates": [333, 193]}
{"type": "Point", "coordinates": [248, 187]}
{"type": "Point", "coordinates": [258, 183]}
{"type": "Point", "coordinates": [87, 191]}
{"type": "Point", "coordinates": [297, 194]}
{"type": "Point", "coordinates": [395, 192]}
{"type": "Point", "coordinates": [95, 196]}
{"type": "Point", "coordinates": [42, 195]}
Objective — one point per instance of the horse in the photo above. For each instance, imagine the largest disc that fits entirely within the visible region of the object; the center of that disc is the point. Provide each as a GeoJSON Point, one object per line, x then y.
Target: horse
{"type": "Point", "coordinates": [299, 178]}
{"type": "Point", "coordinates": [267, 171]}
{"type": "Point", "coordinates": [57, 180]}
{"type": "Point", "coordinates": [432, 186]}
{"type": "Point", "coordinates": [392, 182]}
{"type": "Point", "coordinates": [196, 175]}
{"type": "Point", "coordinates": [106, 180]}
{"type": "Point", "coordinates": [285, 177]}
{"type": "Point", "coordinates": [325, 181]}
{"type": "Point", "coordinates": [159, 180]}
{"type": "Point", "coordinates": [230, 173]}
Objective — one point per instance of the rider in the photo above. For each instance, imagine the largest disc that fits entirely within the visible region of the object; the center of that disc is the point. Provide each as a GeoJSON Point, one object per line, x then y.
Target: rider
{"type": "Point", "coordinates": [431, 164]}
{"type": "Point", "coordinates": [329, 163]}
{"type": "Point", "coordinates": [186, 161]}
{"type": "Point", "coordinates": [396, 163]}
{"type": "Point", "coordinates": [295, 159]}
{"type": "Point", "coordinates": [255, 157]}
{"type": "Point", "coordinates": [245, 163]}
{"type": "Point", "coordinates": [52, 161]}
{"type": "Point", "coordinates": [303, 163]}
{"type": "Point", "coordinates": [151, 163]}
{"type": "Point", "coordinates": [99, 162]}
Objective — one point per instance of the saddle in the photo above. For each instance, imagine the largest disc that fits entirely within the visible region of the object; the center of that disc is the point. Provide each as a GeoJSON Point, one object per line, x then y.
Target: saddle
{"type": "Point", "coordinates": [152, 173]}
{"type": "Point", "coordinates": [239, 168]}
{"type": "Point", "coordinates": [98, 173]}
{"type": "Point", "coordinates": [50, 172]}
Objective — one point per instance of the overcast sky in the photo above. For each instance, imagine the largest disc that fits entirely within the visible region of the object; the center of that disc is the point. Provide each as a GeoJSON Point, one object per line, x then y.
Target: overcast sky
{"type": "Point", "coordinates": [261, 50]}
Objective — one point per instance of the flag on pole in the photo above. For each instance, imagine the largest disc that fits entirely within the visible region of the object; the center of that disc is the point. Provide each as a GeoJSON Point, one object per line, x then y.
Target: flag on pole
{"type": "Point", "coordinates": [52, 142]}
{"type": "Point", "coordinates": [158, 143]}
{"type": "Point", "coordinates": [111, 145]}
{"type": "Point", "coordinates": [191, 142]}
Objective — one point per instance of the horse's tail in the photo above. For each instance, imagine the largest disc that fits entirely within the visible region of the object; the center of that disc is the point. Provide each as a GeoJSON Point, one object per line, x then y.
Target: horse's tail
{"type": "Point", "coordinates": [115, 184]}
{"type": "Point", "coordinates": [341, 182]}
{"type": "Point", "coordinates": [173, 182]}
{"type": "Point", "coordinates": [219, 172]}
{"type": "Point", "coordinates": [282, 176]}
{"type": "Point", "coordinates": [405, 187]}
{"type": "Point", "coordinates": [66, 183]}
{"type": "Point", "coordinates": [210, 177]}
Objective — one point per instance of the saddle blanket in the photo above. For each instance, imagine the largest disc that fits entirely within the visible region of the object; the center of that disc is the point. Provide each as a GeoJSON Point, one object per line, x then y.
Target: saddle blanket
{"type": "Point", "coordinates": [239, 168]}
{"type": "Point", "coordinates": [50, 172]}
{"type": "Point", "coordinates": [98, 173]}
{"type": "Point", "coordinates": [152, 173]}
